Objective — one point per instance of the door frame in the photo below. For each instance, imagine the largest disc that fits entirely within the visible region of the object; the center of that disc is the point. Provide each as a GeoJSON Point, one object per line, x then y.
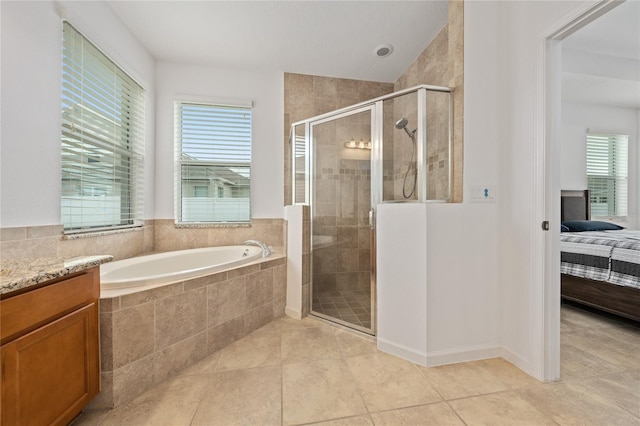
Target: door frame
{"type": "Point", "coordinates": [373, 109]}
{"type": "Point", "coordinates": [545, 297]}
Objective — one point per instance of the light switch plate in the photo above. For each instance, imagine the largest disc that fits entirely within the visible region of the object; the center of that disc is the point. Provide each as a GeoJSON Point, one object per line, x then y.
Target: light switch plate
{"type": "Point", "coordinates": [483, 194]}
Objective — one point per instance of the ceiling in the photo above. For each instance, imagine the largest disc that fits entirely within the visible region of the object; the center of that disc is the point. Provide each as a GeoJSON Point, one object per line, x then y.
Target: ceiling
{"type": "Point", "coordinates": [329, 38]}
{"type": "Point", "coordinates": [601, 62]}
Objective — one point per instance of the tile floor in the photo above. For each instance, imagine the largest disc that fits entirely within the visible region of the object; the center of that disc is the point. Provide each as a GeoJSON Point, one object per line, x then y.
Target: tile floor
{"type": "Point", "coordinates": [352, 306]}
{"type": "Point", "coordinates": [299, 372]}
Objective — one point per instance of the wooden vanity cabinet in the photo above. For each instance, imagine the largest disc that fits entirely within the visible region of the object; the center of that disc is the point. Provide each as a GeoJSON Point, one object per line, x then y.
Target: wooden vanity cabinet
{"type": "Point", "coordinates": [50, 351]}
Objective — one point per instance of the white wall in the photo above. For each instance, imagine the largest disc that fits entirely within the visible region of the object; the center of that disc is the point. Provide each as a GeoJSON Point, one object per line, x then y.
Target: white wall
{"type": "Point", "coordinates": [523, 27]}
{"type": "Point", "coordinates": [31, 68]}
{"type": "Point", "coordinates": [463, 244]}
{"type": "Point", "coordinates": [266, 90]}
{"type": "Point", "coordinates": [576, 119]}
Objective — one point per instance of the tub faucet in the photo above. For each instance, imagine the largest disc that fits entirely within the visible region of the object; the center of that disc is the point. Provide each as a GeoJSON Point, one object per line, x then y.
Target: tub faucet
{"type": "Point", "coordinates": [266, 250]}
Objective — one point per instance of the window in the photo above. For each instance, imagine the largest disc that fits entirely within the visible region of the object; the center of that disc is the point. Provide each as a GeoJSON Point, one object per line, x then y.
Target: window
{"type": "Point", "coordinates": [102, 140]}
{"type": "Point", "coordinates": [213, 150]}
{"type": "Point", "coordinates": [607, 175]}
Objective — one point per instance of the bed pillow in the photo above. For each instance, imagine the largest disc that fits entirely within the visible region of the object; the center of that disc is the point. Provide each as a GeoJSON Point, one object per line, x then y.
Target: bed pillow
{"type": "Point", "coordinates": [590, 225]}
{"type": "Point", "coordinates": [564, 228]}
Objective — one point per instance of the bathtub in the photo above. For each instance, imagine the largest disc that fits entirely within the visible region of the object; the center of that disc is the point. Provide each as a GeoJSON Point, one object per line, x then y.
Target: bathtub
{"type": "Point", "coordinates": [170, 267]}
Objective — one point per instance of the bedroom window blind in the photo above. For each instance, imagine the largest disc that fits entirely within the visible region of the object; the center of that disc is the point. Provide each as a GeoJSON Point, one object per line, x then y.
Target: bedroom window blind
{"type": "Point", "coordinates": [607, 174]}
{"type": "Point", "coordinates": [213, 162]}
{"type": "Point", "coordinates": [102, 140]}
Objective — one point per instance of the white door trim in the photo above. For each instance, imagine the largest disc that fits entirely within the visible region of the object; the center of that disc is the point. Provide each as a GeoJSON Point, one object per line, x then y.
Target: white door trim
{"type": "Point", "coordinates": [545, 297]}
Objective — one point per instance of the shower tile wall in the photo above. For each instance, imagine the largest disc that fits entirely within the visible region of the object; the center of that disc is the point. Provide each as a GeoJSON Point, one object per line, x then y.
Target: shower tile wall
{"type": "Point", "coordinates": [441, 63]}
{"type": "Point", "coordinates": [341, 257]}
{"type": "Point", "coordinates": [306, 96]}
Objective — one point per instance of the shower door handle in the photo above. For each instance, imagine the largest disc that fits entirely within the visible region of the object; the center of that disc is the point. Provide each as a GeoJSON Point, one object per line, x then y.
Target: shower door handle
{"type": "Point", "coordinates": [372, 219]}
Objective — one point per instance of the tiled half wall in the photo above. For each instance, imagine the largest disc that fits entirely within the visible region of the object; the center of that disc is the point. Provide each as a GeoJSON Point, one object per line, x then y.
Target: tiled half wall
{"type": "Point", "coordinates": [148, 336]}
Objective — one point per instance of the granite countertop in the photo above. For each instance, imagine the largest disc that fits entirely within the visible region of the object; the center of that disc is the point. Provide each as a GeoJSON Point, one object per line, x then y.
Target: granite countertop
{"type": "Point", "coordinates": [20, 274]}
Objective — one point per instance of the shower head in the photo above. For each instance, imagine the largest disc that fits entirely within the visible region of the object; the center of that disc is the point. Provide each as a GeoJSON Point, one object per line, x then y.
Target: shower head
{"type": "Point", "coordinates": [402, 124]}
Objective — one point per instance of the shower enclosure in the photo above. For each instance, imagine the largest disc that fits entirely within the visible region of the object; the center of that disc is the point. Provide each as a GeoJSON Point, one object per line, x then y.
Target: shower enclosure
{"type": "Point", "coordinates": [395, 148]}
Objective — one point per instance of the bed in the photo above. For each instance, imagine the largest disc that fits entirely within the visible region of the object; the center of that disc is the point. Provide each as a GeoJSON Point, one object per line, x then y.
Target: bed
{"type": "Point", "coordinates": [600, 267]}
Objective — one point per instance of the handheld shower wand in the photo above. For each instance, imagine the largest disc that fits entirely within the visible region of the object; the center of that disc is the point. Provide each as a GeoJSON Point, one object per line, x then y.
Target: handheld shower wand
{"type": "Point", "coordinates": [402, 124]}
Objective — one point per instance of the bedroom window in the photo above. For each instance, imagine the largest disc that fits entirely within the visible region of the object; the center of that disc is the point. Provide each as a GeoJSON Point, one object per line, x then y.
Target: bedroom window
{"type": "Point", "coordinates": [607, 174]}
{"type": "Point", "coordinates": [102, 140]}
{"type": "Point", "coordinates": [213, 162]}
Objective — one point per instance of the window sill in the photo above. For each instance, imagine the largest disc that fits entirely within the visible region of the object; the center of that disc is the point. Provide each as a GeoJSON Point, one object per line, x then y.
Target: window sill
{"type": "Point", "coordinates": [90, 234]}
{"type": "Point", "coordinates": [197, 225]}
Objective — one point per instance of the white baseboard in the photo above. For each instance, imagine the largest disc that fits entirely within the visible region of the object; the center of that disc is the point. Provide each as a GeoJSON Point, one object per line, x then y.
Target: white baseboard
{"type": "Point", "coordinates": [402, 352]}
{"type": "Point", "coordinates": [462, 355]}
{"type": "Point", "coordinates": [293, 313]}
{"type": "Point", "coordinates": [518, 361]}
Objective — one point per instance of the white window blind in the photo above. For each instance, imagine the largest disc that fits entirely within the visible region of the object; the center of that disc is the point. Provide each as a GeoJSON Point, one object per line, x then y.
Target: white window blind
{"type": "Point", "coordinates": [102, 139]}
{"type": "Point", "coordinates": [607, 174]}
{"type": "Point", "coordinates": [213, 150]}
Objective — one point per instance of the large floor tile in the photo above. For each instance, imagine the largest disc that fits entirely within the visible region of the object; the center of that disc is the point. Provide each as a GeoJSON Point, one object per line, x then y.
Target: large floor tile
{"type": "Point", "coordinates": [508, 373]}
{"type": "Point", "coordinates": [348, 421]}
{"type": "Point", "coordinates": [242, 397]}
{"type": "Point", "coordinates": [568, 404]}
{"type": "Point", "coordinates": [352, 345]}
{"type": "Point", "coordinates": [578, 364]}
{"type": "Point", "coordinates": [462, 380]}
{"type": "Point", "coordinates": [317, 390]}
{"type": "Point", "coordinates": [432, 414]}
{"type": "Point", "coordinates": [171, 403]}
{"type": "Point", "coordinates": [259, 349]}
{"type": "Point", "coordinates": [90, 417]}
{"type": "Point", "coordinates": [574, 318]}
{"type": "Point", "coordinates": [309, 343]}
{"type": "Point", "coordinates": [387, 382]}
{"type": "Point", "coordinates": [504, 408]}
{"type": "Point", "coordinates": [287, 323]}
{"type": "Point", "coordinates": [206, 365]}
{"type": "Point", "coordinates": [622, 389]}
{"type": "Point", "coordinates": [611, 345]}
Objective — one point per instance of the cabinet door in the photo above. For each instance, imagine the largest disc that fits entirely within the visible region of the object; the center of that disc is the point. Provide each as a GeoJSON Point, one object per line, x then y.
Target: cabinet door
{"type": "Point", "coordinates": [51, 373]}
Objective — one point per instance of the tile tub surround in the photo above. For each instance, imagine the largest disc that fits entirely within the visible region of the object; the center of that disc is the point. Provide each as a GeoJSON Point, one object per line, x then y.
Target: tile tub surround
{"type": "Point", "coordinates": [34, 242]}
{"type": "Point", "coordinates": [148, 336]}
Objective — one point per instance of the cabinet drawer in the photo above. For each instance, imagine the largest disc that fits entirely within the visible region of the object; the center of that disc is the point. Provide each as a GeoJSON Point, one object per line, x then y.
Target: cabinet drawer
{"type": "Point", "coordinates": [27, 311]}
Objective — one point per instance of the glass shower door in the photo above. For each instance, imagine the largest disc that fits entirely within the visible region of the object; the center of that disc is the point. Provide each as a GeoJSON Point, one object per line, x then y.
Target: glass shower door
{"type": "Point", "coordinates": [341, 235]}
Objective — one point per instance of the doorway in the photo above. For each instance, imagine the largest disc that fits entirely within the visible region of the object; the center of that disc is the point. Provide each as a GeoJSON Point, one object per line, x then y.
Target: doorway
{"type": "Point", "coordinates": [549, 169]}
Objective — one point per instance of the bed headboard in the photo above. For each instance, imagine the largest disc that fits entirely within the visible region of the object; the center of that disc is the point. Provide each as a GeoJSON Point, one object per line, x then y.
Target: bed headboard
{"type": "Point", "coordinates": [574, 205]}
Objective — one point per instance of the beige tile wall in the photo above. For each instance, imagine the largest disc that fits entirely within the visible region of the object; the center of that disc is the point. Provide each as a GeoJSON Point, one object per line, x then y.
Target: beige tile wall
{"type": "Point", "coordinates": [442, 63]}
{"type": "Point", "coordinates": [306, 96]}
{"type": "Point", "coordinates": [34, 242]}
{"type": "Point", "coordinates": [155, 236]}
{"type": "Point", "coordinates": [149, 336]}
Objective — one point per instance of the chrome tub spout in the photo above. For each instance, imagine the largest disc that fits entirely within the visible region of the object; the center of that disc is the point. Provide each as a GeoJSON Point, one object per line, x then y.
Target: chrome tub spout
{"type": "Point", "coordinates": [266, 250]}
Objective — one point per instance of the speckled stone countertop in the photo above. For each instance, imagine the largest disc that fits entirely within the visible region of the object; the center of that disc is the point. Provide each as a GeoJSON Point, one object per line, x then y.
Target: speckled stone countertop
{"type": "Point", "coordinates": [19, 274]}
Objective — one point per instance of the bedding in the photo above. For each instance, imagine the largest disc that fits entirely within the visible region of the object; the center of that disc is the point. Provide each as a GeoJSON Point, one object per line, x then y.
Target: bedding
{"type": "Point", "coordinates": [610, 256]}
{"type": "Point", "coordinates": [604, 275]}
{"type": "Point", "coordinates": [590, 225]}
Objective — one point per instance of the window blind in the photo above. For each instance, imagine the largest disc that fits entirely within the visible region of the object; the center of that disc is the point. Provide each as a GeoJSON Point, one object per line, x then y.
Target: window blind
{"type": "Point", "coordinates": [607, 174]}
{"type": "Point", "coordinates": [102, 139]}
{"type": "Point", "coordinates": [213, 144]}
